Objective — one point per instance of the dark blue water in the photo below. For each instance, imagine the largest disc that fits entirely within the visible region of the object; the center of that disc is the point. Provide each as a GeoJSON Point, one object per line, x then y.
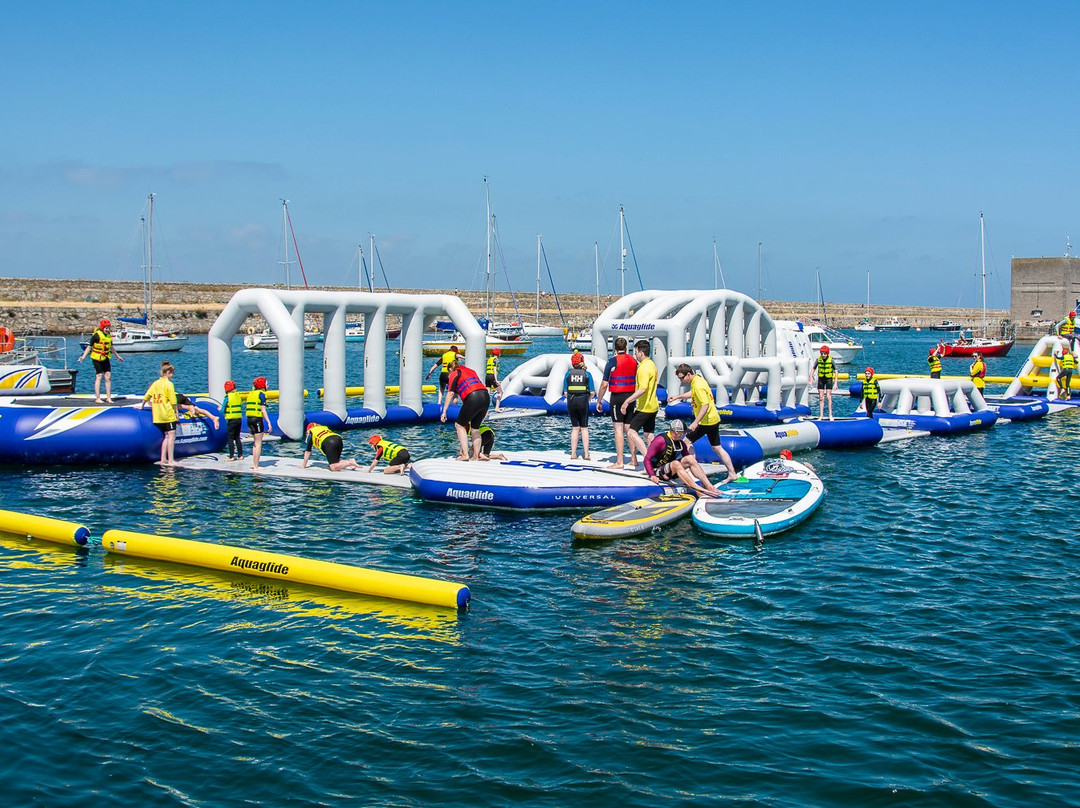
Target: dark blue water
{"type": "Point", "coordinates": [913, 643]}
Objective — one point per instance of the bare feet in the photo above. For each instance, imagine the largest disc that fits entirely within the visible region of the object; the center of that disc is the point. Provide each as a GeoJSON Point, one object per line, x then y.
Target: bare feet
{"type": "Point", "coordinates": [573, 457]}
{"type": "Point", "coordinates": [587, 456]}
{"type": "Point", "coordinates": [615, 466]}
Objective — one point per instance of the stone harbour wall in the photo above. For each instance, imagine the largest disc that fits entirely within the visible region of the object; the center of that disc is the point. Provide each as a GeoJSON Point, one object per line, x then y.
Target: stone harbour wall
{"type": "Point", "coordinates": [73, 307]}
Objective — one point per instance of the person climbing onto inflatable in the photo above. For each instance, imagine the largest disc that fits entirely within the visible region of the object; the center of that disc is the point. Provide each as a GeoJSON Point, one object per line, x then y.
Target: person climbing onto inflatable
{"type": "Point", "coordinates": [934, 361]}
{"type": "Point", "coordinates": [825, 372]}
{"type": "Point", "coordinates": [487, 443]}
{"type": "Point", "coordinates": [663, 464]}
{"type": "Point", "coordinates": [397, 457]}
{"type": "Point", "coordinates": [101, 352]}
{"type": "Point", "coordinates": [185, 404]}
{"type": "Point", "coordinates": [1065, 363]}
{"type": "Point", "coordinates": [494, 384]}
{"type": "Point", "coordinates": [977, 371]}
{"type": "Point", "coordinates": [466, 386]}
{"type": "Point", "coordinates": [443, 363]}
{"type": "Point", "coordinates": [871, 392]}
{"type": "Point", "coordinates": [330, 444]}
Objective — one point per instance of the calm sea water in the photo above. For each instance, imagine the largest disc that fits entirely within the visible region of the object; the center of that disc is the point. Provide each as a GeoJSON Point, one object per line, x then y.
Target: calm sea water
{"type": "Point", "coordinates": [914, 643]}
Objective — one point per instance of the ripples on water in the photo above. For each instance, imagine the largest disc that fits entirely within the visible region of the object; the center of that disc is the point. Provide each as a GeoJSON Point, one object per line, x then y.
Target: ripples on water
{"type": "Point", "coordinates": [914, 643]}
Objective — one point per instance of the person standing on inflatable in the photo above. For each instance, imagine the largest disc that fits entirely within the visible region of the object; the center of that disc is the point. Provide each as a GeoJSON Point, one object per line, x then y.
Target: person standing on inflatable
{"type": "Point", "coordinates": [162, 398]}
{"type": "Point", "coordinates": [1067, 329]}
{"type": "Point", "coordinates": [234, 419]}
{"type": "Point", "coordinates": [578, 389]}
{"type": "Point", "coordinates": [977, 371]}
{"type": "Point", "coordinates": [443, 363]}
{"type": "Point", "coordinates": [330, 444]}
{"type": "Point", "coordinates": [396, 456]}
{"type": "Point", "coordinates": [258, 420]}
{"type": "Point", "coordinates": [644, 399]}
{"type": "Point", "coordinates": [466, 386]}
{"type": "Point", "coordinates": [619, 379]}
{"type": "Point", "coordinates": [825, 372]}
{"type": "Point", "coordinates": [494, 384]}
{"type": "Point", "coordinates": [870, 393]}
{"type": "Point", "coordinates": [934, 361]}
{"type": "Point", "coordinates": [706, 418]}
{"type": "Point", "coordinates": [101, 351]}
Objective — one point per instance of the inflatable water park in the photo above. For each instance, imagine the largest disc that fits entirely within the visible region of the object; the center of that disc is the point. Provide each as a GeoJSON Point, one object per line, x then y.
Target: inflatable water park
{"type": "Point", "coordinates": [760, 371]}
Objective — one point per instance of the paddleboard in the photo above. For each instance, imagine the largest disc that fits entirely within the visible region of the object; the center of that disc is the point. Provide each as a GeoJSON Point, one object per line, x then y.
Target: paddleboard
{"type": "Point", "coordinates": [771, 496]}
{"type": "Point", "coordinates": [290, 467]}
{"type": "Point", "coordinates": [633, 518]}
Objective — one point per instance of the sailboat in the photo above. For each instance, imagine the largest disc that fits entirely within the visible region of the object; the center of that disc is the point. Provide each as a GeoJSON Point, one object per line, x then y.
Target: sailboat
{"type": "Point", "coordinates": [510, 338]}
{"type": "Point", "coordinates": [354, 331]}
{"type": "Point", "coordinates": [842, 349]}
{"type": "Point", "coordinates": [864, 324]}
{"type": "Point", "coordinates": [967, 343]}
{"type": "Point", "coordinates": [266, 340]}
{"type": "Point", "coordinates": [535, 329]}
{"type": "Point", "coordinates": [141, 336]}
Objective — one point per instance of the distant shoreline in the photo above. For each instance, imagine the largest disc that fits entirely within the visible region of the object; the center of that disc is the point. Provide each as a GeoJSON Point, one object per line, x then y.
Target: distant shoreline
{"type": "Point", "coordinates": [72, 307]}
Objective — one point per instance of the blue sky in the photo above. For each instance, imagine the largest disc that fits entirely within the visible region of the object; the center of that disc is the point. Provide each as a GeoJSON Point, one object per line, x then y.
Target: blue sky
{"type": "Point", "coordinates": [845, 138]}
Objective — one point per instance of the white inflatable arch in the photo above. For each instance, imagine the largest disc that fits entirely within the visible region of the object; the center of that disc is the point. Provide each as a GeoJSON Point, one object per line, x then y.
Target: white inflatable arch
{"type": "Point", "coordinates": [285, 310]}
{"type": "Point", "coordinates": [724, 335]}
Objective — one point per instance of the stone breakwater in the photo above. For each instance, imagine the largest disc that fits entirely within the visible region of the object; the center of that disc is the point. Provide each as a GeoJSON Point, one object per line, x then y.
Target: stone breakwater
{"type": "Point", "coordinates": [73, 307]}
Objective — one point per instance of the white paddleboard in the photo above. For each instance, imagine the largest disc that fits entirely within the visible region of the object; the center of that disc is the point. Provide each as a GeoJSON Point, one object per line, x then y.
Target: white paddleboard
{"type": "Point", "coordinates": [771, 496]}
{"type": "Point", "coordinates": [633, 518]}
{"type": "Point", "coordinates": [290, 467]}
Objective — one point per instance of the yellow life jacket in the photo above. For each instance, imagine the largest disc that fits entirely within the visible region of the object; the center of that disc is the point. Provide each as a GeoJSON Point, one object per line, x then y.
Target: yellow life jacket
{"type": "Point", "coordinates": [319, 434]}
{"type": "Point", "coordinates": [254, 404]}
{"type": "Point", "coordinates": [234, 406]}
{"type": "Point", "coordinates": [1068, 327]}
{"type": "Point", "coordinates": [447, 358]}
{"type": "Point", "coordinates": [102, 349]}
{"type": "Point", "coordinates": [389, 450]}
{"type": "Point", "coordinates": [935, 363]}
{"type": "Point", "coordinates": [825, 367]}
{"type": "Point", "coordinates": [871, 390]}
{"type": "Point", "coordinates": [1068, 361]}
{"type": "Point", "coordinates": [492, 364]}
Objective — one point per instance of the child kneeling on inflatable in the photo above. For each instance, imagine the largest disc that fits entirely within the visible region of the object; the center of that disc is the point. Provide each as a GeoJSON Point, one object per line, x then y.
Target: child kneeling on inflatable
{"type": "Point", "coordinates": [397, 457]}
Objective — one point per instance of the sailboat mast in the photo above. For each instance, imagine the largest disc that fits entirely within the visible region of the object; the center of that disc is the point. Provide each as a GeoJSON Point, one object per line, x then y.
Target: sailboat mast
{"type": "Point", "coordinates": [982, 252]}
{"type": "Point", "coordinates": [717, 268]}
{"type": "Point", "coordinates": [538, 279]}
{"type": "Point", "coordinates": [487, 279]}
{"type": "Point", "coordinates": [821, 299]}
{"type": "Point", "coordinates": [285, 239]}
{"type": "Point", "coordinates": [359, 266]}
{"type": "Point", "coordinates": [622, 250]}
{"type": "Point", "coordinates": [759, 271]}
{"type": "Point", "coordinates": [596, 259]}
{"type": "Point", "coordinates": [371, 275]}
{"type": "Point", "coordinates": [150, 266]}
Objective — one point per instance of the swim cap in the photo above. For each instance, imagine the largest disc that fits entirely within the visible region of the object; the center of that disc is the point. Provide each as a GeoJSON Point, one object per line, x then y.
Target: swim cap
{"type": "Point", "coordinates": [496, 352]}
{"type": "Point", "coordinates": [374, 439]}
{"type": "Point", "coordinates": [1071, 314]}
{"type": "Point", "coordinates": [230, 385]}
{"type": "Point", "coordinates": [785, 454]}
{"type": "Point", "coordinates": [310, 426]}
{"type": "Point", "coordinates": [104, 324]}
{"type": "Point", "coordinates": [259, 383]}
{"type": "Point", "coordinates": [676, 425]}
{"type": "Point", "coordinates": [824, 348]}
{"type": "Point", "coordinates": [454, 349]}
{"type": "Point", "coordinates": [577, 359]}
{"type": "Point", "coordinates": [869, 371]}
{"type": "Point", "coordinates": [933, 349]}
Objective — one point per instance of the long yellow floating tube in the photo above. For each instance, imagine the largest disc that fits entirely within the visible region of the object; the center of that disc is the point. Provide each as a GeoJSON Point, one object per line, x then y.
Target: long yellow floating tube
{"type": "Point", "coordinates": [391, 390]}
{"type": "Point", "coordinates": [42, 527]}
{"type": "Point", "coordinates": [287, 568]}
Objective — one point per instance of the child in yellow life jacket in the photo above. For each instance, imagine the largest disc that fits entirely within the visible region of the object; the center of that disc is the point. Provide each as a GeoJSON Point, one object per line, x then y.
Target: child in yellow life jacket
{"type": "Point", "coordinates": [234, 420]}
{"type": "Point", "coordinates": [397, 457]}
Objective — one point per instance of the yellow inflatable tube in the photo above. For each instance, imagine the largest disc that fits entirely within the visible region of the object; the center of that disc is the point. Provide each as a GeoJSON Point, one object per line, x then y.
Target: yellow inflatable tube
{"type": "Point", "coordinates": [287, 568]}
{"type": "Point", "coordinates": [41, 527]}
{"type": "Point", "coordinates": [391, 390]}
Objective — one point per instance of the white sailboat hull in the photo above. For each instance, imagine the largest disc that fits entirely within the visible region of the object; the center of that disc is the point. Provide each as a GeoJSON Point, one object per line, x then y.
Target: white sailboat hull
{"type": "Point", "coordinates": [142, 341]}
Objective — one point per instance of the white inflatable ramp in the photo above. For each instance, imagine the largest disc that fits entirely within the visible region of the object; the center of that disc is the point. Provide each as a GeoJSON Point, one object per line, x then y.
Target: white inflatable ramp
{"type": "Point", "coordinates": [290, 467]}
{"type": "Point", "coordinates": [531, 480]}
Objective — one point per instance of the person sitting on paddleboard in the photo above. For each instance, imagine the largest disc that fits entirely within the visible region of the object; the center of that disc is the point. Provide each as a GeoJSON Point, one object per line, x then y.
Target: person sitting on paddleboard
{"type": "Point", "coordinates": [396, 456]}
{"type": "Point", "coordinates": [662, 463]}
